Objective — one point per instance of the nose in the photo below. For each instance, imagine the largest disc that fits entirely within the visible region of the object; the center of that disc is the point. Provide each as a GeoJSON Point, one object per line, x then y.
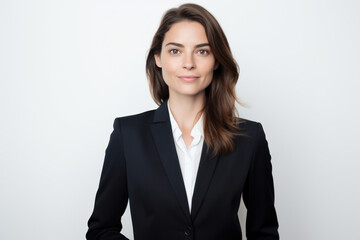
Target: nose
{"type": "Point", "coordinates": [188, 62]}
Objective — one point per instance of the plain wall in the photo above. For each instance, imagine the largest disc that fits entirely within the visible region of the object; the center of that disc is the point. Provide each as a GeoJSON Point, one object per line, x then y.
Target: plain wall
{"type": "Point", "coordinates": [69, 68]}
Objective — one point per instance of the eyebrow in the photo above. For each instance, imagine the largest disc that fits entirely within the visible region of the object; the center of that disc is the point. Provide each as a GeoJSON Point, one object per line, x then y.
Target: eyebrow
{"type": "Point", "coordinates": [180, 45]}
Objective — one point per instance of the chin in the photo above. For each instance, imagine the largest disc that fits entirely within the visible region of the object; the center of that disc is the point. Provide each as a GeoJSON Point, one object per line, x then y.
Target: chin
{"type": "Point", "coordinates": [190, 93]}
{"type": "Point", "coordinates": [187, 91]}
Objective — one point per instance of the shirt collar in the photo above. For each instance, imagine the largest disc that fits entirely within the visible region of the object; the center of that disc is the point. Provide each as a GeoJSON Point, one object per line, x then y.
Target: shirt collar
{"type": "Point", "coordinates": [198, 129]}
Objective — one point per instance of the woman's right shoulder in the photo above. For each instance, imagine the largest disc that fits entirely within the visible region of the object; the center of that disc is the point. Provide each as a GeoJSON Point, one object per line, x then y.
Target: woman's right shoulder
{"type": "Point", "coordinates": [143, 118]}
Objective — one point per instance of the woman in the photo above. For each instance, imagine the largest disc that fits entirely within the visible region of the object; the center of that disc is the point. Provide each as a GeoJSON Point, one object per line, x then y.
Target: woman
{"type": "Point", "coordinates": [185, 165]}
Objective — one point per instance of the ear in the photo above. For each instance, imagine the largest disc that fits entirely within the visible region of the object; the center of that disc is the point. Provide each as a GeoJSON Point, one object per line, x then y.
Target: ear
{"type": "Point", "coordinates": [157, 60]}
{"type": "Point", "coordinates": [216, 65]}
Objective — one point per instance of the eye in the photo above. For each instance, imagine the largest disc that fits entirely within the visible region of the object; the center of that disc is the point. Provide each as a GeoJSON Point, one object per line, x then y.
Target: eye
{"type": "Point", "coordinates": [204, 52]}
{"type": "Point", "coordinates": [174, 51]}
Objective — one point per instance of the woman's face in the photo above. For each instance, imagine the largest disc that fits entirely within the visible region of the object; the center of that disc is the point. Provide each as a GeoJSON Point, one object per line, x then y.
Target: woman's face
{"type": "Point", "coordinates": [186, 59]}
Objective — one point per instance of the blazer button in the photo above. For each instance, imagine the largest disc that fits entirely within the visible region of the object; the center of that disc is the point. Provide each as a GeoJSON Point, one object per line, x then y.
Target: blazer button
{"type": "Point", "coordinates": [188, 232]}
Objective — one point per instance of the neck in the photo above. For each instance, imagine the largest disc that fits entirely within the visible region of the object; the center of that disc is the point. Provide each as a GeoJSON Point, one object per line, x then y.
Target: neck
{"type": "Point", "coordinates": [186, 109]}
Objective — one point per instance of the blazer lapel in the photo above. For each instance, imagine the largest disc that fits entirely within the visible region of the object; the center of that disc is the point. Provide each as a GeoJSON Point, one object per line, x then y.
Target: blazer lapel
{"type": "Point", "coordinates": [164, 141]}
{"type": "Point", "coordinates": [205, 172]}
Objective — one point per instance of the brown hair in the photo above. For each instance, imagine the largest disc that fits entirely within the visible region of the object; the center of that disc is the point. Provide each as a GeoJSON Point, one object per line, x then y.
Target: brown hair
{"type": "Point", "coordinates": [221, 123]}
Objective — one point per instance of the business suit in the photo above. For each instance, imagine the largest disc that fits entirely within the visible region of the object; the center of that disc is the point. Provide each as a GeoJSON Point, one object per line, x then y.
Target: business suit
{"type": "Point", "coordinates": [141, 164]}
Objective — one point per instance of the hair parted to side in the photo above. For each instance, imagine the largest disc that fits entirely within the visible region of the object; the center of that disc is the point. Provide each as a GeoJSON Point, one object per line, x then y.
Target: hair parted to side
{"type": "Point", "coordinates": [221, 121]}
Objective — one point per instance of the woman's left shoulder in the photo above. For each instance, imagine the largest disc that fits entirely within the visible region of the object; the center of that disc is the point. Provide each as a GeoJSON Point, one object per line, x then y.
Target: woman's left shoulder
{"type": "Point", "coordinates": [250, 127]}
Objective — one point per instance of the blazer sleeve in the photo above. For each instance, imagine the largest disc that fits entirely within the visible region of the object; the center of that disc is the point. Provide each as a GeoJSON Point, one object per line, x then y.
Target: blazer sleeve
{"type": "Point", "coordinates": [258, 195]}
{"type": "Point", "coordinates": [112, 195]}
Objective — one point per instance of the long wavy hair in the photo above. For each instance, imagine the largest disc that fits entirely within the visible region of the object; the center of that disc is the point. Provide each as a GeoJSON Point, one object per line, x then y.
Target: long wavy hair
{"type": "Point", "coordinates": [221, 121]}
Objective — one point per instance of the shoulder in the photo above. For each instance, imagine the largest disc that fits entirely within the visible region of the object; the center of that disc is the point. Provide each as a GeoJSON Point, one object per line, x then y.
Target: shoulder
{"type": "Point", "coordinates": [251, 128]}
{"type": "Point", "coordinates": [139, 119]}
{"type": "Point", "coordinates": [248, 125]}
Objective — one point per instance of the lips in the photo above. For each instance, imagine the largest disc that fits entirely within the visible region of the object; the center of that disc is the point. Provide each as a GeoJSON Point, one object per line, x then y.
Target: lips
{"type": "Point", "coordinates": [188, 78]}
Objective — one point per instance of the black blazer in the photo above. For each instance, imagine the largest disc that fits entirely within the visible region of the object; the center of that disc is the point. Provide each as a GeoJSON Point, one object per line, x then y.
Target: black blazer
{"type": "Point", "coordinates": [141, 165]}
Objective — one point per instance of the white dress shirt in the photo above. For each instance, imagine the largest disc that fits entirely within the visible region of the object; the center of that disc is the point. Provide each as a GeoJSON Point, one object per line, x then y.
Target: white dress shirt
{"type": "Point", "coordinates": [189, 159]}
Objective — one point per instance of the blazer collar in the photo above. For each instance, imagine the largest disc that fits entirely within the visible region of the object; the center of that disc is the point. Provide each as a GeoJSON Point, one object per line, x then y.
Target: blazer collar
{"type": "Point", "coordinates": [164, 142]}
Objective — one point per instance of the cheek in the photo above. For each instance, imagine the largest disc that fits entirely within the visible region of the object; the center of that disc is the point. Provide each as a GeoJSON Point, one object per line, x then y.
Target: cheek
{"type": "Point", "coordinates": [170, 64]}
{"type": "Point", "coordinates": [209, 80]}
{"type": "Point", "coordinates": [168, 71]}
{"type": "Point", "coordinates": [208, 71]}
{"type": "Point", "coordinates": [206, 65]}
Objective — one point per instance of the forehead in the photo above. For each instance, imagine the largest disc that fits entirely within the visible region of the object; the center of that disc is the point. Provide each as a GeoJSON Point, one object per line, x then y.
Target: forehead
{"type": "Point", "coordinates": [186, 32]}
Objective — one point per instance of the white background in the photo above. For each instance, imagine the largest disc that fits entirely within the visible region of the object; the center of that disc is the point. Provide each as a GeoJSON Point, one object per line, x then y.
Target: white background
{"type": "Point", "coordinates": [68, 68]}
